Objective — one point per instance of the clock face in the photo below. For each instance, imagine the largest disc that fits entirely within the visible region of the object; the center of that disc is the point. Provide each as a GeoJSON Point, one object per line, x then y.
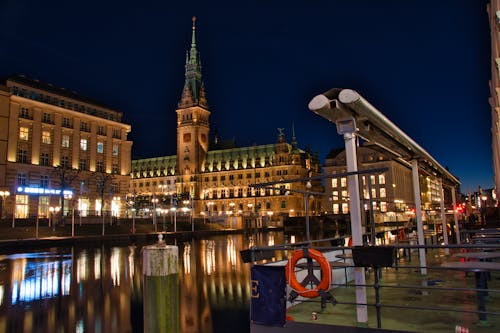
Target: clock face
{"type": "Point", "coordinates": [203, 138]}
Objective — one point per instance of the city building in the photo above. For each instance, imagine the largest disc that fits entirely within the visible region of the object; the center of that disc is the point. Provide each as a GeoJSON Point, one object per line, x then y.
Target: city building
{"type": "Point", "coordinates": [391, 190]}
{"type": "Point", "coordinates": [60, 152]}
{"type": "Point", "coordinates": [213, 178]}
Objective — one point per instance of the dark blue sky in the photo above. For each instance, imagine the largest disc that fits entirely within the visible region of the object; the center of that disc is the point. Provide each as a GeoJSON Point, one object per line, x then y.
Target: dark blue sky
{"type": "Point", "coordinates": [423, 63]}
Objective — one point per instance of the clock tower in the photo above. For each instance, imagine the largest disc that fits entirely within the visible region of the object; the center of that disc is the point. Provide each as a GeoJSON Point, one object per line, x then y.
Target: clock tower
{"type": "Point", "coordinates": [192, 124]}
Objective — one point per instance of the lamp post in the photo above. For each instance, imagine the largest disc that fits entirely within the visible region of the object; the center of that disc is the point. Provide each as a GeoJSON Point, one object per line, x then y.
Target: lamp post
{"type": "Point", "coordinates": [174, 210]}
{"type": "Point", "coordinates": [483, 209]}
{"type": "Point", "coordinates": [53, 210]}
{"type": "Point", "coordinates": [154, 201]}
{"type": "Point", "coordinates": [3, 195]}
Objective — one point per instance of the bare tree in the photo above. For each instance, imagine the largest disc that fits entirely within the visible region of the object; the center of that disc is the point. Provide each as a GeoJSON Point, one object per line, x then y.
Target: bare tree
{"type": "Point", "coordinates": [65, 176]}
{"type": "Point", "coordinates": [103, 182]}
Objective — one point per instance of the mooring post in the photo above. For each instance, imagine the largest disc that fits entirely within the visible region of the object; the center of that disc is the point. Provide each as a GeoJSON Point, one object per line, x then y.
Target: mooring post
{"type": "Point", "coordinates": [161, 287]}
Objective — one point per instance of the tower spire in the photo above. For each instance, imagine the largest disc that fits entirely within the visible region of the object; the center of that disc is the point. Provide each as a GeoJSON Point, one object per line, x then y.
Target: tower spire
{"type": "Point", "coordinates": [194, 52]}
{"type": "Point", "coordinates": [194, 89]}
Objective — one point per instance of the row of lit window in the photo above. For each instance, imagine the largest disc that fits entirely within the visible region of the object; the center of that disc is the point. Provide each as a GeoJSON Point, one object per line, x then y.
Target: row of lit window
{"type": "Point", "coordinates": [344, 195]}
{"type": "Point", "coordinates": [344, 207]}
{"type": "Point", "coordinates": [343, 180]}
{"type": "Point", "coordinates": [65, 141]}
{"type": "Point", "coordinates": [212, 207]}
{"type": "Point", "coordinates": [22, 157]}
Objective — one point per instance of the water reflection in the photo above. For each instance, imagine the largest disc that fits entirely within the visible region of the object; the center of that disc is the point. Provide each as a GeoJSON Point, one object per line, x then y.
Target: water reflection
{"type": "Point", "coordinates": [99, 289]}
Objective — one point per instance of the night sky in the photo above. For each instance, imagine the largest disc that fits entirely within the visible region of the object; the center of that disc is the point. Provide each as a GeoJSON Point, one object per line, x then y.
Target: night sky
{"type": "Point", "coordinates": [425, 64]}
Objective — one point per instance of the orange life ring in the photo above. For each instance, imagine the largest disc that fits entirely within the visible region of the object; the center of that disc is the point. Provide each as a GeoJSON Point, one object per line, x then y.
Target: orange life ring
{"type": "Point", "coordinates": [326, 273]}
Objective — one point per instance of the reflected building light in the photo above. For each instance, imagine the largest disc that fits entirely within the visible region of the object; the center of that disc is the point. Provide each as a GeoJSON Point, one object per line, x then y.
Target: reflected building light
{"type": "Point", "coordinates": [251, 241]}
{"type": "Point", "coordinates": [230, 290]}
{"type": "Point", "coordinates": [42, 281]}
{"type": "Point", "coordinates": [131, 260]}
{"type": "Point", "coordinates": [231, 252]}
{"type": "Point", "coordinates": [97, 264]}
{"type": "Point", "coordinates": [79, 328]}
{"type": "Point", "coordinates": [238, 291]}
{"type": "Point", "coordinates": [186, 256]}
{"type": "Point", "coordinates": [81, 267]}
{"type": "Point", "coordinates": [270, 241]}
{"type": "Point", "coordinates": [210, 257]}
{"type": "Point", "coordinates": [115, 266]}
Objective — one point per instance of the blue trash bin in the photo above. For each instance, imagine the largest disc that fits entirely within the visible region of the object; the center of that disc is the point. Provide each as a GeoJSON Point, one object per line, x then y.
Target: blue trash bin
{"type": "Point", "coordinates": [268, 297]}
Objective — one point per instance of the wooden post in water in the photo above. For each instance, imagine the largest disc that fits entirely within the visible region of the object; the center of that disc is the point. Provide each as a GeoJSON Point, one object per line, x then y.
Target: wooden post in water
{"type": "Point", "coordinates": [161, 288]}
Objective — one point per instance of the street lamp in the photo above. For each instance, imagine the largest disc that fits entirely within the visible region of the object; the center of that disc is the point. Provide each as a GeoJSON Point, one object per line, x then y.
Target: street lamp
{"type": "Point", "coordinates": [3, 195]}
{"type": "Point", "coordinates": [53, 210]}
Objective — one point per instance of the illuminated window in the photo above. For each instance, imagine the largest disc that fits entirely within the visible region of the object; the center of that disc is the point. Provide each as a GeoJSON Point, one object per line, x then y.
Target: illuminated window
{"type": "Point", "coordinates": [345, 208]}
{"type": "Point", "coordinates": [65, 141]}
{"type": "Point", "coordinates": [335, 195]}
{"type": "Point", "coordinates": [24, 133]}
{"type": "Point", "coordinates": [383, 206]}
{"type": "Point", "coordinates": [382, 192]}
{"type": "Point", "coordinates": [83, 144]}
{"type": "Point", "coordinates": [381, 179]}
{"type": "Point", "coordinates": [115, 149]}
{"type": "Point", "coordinates": [43, 206]}
{"type": "Point", "coordinates": [374, 193]}
{"type": "Point", "coordinates": [100, 147]}
{"type": "Point", "coordinates": [334, 182]}
{"type": "Point", "coordinates": [343, 182]}
{"type": "Point", "coordinates": [344, 194]}
{"type": "Point", "coordinates": [336, 208]}
{"type": "Point", "coordinates": [372, 179]}
{"type": "Point", "coordinates": [98, 207]}
{"type": "Point", "coordinates": [46, 137]}
{"type": "Point", "coordinates": [21, 206]}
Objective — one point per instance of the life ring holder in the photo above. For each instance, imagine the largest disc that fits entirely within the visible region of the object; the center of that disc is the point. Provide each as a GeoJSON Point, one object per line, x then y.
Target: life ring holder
{"type": "Point", "coordinates": [322, 285]}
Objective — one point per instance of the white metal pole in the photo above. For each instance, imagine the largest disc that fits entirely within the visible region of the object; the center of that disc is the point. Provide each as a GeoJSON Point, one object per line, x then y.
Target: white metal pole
{"type": "Point", "coordinates": [418, 213]}
{"type": "Point", "coordinates": [443, 217]}
{"type": "Point", "coordinates": [73, 223]}
{"type": "Point", "coordinates": [356, 228]}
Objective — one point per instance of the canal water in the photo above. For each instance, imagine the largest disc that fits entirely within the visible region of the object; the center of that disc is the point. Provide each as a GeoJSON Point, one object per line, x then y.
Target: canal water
{"type": "Point", "coordinates": [99, 289]}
